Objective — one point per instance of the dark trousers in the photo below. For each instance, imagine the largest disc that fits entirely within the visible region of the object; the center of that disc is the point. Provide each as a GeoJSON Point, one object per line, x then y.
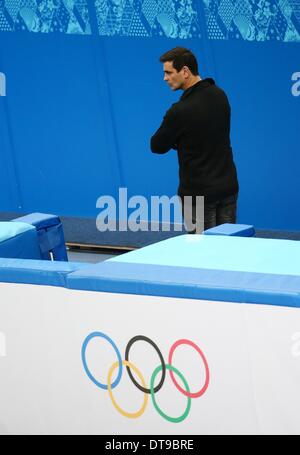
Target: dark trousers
{"type": "Point", "coordinates": [220, 212]}
{"type": "Point", "coordinates": [215, 213]}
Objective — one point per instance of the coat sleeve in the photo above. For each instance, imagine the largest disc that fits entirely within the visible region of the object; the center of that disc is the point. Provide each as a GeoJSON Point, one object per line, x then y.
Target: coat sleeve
{"type": "Point", "coordinates": [167, 134]}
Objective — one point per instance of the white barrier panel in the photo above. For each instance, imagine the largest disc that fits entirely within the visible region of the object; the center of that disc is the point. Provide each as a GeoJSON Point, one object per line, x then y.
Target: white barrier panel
{"type": "Point", "coordinates": [242, 364]}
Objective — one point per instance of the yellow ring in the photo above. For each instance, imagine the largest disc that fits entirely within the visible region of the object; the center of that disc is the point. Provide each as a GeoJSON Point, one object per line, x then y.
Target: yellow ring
{"type": "Point", "coordinates": [133, 415]}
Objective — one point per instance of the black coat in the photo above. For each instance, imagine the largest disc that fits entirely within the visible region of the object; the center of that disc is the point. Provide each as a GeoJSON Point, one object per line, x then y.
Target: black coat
{"type": "Point", "coordinates": [198, 126]}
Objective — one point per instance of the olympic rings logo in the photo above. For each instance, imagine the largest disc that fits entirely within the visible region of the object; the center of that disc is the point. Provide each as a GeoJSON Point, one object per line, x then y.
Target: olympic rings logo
{"type": "Point", "coordinates": [142, 386]}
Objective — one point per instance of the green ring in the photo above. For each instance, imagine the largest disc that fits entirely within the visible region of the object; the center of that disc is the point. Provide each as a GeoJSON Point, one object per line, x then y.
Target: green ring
{"type": "Point", "coordinates": [160, 412]}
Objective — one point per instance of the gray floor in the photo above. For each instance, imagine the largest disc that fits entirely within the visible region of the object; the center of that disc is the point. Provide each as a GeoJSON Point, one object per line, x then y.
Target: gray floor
{"type": "Point", "coordinates": [92, 258]}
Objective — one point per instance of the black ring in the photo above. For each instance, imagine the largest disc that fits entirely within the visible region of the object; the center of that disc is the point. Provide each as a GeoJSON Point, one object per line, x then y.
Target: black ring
{"type": "Point", "coordinates": [163, 376]}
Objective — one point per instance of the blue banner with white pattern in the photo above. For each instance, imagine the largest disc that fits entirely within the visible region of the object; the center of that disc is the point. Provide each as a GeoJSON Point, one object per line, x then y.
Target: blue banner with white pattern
{"type": "Point", "coordinates": [263, 20]}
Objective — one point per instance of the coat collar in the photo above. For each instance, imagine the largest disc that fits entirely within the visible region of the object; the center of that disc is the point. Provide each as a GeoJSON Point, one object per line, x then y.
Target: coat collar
{"type": "Point", "coordinates": [204, 83]}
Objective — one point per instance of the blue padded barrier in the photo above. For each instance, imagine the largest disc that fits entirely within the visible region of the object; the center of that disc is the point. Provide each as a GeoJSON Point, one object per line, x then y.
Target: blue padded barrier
{"type": "Point", "coordinates": [50, 235]}
{"type": "Point", "coordinates": [18, 240]}
{"type": "Point", "coordinates": [238, 230]}
{"type": "Point", "coordinates": [189, 283]}
{"type": "Point", "coordinates": [37, 272]}
{"type": "Point", "coordinates": [204, 268]}
{"type": "Point", "coordinates": [225, 268]}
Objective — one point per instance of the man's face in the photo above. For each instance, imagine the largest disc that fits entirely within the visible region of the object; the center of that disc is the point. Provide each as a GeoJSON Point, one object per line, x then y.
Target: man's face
{"type": "Point", "coordinates": [175, 79]}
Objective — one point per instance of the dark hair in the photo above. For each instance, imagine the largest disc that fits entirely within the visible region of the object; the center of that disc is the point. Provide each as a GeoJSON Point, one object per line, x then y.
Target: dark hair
{"type": "Point", "coordinates": [180, 57]}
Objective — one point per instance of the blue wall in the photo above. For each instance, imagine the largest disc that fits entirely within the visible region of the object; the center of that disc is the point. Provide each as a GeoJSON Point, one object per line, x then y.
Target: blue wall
{"type": "Point", "coordinates": [85, 91]}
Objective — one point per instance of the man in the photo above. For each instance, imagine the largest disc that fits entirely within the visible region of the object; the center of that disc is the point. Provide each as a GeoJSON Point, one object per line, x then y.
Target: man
{"type": "Point", "coordinates": [198, 126]}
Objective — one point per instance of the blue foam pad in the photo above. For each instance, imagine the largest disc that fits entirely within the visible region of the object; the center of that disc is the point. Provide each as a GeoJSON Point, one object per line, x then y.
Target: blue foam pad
{"type": "Point", "coordinates": [50, 235]}
{"type": "Point", "coordinates": [233, 269]}
{"type": "Point", "coordinates": [190, 283]}
{"type": "Point", "coordinates": [39, 220]}
{"type": "Point", "coordinates": [19, 240]}
{"type": "Point", "coordinates": [37, 272]}
{"type": "Point", "coordinates": [213, 252]}
{"type": "Point", "coordinates": [9, 230]}
{"type": "Point", "coordinates": [240, 230]}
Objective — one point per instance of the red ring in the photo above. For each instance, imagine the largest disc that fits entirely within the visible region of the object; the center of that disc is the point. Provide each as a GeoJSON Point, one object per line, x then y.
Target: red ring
{"type": "Point", "coordinates": [204, 388]}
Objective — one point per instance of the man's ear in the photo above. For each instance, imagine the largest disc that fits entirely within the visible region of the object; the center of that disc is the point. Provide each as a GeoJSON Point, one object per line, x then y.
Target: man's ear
{"type": "Point", "coordinates": [186, 71]}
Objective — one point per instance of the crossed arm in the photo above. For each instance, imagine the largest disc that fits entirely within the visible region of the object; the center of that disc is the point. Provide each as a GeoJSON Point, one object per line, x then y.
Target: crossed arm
{"type": "Point", "coordinates": [166, 136]}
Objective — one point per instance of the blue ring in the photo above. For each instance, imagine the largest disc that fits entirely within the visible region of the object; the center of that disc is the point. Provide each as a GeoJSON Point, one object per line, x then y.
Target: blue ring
{"type": "Point", "coordinates": [83, 356]}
